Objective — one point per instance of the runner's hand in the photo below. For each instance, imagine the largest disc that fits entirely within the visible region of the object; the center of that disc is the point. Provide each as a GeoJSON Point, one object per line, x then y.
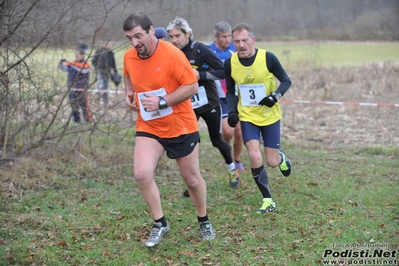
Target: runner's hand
{"type": "Point", "coordinates": [131, 103]}
{"type": "Point", "coordinates": [270, 100]}
{"type": "Point", "coordinates": [232, 120]}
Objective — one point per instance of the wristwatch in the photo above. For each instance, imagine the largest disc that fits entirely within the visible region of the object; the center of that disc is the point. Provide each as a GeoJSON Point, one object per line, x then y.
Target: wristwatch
{"type": "Point", "coordinates": [162, 103]}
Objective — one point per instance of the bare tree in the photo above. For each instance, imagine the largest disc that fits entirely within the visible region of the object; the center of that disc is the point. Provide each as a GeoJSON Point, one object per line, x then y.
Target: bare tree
{"type": "Point", "coordinates": [32, 104]}
{"type": "Point", "coordinates": [35, 34]}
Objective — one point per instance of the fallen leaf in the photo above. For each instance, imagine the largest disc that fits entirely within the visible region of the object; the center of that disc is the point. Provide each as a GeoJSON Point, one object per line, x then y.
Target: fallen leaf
{"type": "Point", "coordinates": [354, 203]}
{"type": "Point", "coordinates": [62, 243]}
{"type": "Point", "coordinates": [30, 258]}
{"type": "Point", "coordinates": [187, 253]}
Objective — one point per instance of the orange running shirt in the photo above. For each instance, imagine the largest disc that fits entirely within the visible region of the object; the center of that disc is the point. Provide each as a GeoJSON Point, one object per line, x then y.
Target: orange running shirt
{"type": "Point", "coordinates": [167, 68]}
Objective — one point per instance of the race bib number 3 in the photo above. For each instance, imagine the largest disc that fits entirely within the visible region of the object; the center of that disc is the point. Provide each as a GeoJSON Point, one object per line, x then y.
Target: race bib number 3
{"type": "Point", "coordinates": [153, 114]}
{"type": "Point", "coordinates": [252, 94]}
{"type": "Point", "coordinates": [200, 98]}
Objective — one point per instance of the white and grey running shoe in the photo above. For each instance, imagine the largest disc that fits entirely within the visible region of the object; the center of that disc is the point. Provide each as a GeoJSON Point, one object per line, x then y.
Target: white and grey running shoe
{"type": "Point", "coordinates": [157, 233]}
{"type": "Point", "coordinates": [206, 230]}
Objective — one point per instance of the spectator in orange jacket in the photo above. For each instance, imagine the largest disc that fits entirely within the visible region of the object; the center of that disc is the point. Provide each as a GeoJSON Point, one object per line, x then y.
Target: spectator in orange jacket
{"type": "Point", "coordinates": [78, 83]}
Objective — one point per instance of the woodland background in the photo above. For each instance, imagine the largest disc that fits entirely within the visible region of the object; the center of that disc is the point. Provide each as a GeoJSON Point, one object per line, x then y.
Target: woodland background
{"type": "Point", "coordinates": [61, 23]}
{"type": "Point", "coordinates": [35, 34]}
{"type": "Point", "coordinates": [67, 191]}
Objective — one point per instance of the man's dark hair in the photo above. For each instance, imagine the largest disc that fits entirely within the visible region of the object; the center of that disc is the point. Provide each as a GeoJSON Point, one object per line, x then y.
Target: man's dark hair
{"type": "Point", "coordinates": [137, 19]}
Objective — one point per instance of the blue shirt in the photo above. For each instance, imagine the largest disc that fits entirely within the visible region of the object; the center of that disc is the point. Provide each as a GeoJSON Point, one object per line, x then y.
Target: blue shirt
{"type": "Point", "coordinates": [223, 55]}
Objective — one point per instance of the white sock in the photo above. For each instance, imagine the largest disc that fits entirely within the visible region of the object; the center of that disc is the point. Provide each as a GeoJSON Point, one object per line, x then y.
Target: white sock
{"type": "Point", "coordinates": [231, 166]}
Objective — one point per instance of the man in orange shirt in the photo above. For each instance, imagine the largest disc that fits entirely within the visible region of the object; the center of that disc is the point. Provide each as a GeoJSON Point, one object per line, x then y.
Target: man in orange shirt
{"type": "Point", "coordinates": [159, 83]}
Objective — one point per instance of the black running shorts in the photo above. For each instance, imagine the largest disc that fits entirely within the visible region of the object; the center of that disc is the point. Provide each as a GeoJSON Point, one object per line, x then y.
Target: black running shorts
{"type": "Point", "coordinates": [176, 147]}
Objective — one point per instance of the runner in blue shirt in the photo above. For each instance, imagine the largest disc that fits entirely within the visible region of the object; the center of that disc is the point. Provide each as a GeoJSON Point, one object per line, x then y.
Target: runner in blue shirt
{"type": "Point", "coordinates": [224, 48]}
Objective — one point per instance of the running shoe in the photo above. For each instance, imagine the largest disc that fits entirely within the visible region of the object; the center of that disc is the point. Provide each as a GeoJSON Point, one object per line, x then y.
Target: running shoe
{"type": "Point", "coordinates": [240, 166]}
{"type": "Point", "coordinates": [157, 233]}
{"type": "Point", "coordinates": [206, 230]}
{"type": "Point", "coordinates": [234, 177]}
{"type": "Point", "coordinates": [267, 206]}
{"type": "Point", "coordinates": [285, 166]}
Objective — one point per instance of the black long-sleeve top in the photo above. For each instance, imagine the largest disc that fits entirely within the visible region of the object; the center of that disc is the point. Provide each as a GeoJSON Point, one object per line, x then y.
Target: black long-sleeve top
{"type": "Point", "coordinates": [210, 68]}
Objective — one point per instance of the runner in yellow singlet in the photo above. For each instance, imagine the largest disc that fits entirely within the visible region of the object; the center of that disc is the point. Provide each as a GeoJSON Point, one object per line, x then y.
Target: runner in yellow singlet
{"type": "Point", "coordinates": [253, 71]}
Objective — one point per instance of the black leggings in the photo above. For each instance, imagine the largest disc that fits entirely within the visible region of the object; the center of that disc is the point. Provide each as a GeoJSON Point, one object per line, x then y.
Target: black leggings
{"type": "Point", "coordinates": [213, 120]}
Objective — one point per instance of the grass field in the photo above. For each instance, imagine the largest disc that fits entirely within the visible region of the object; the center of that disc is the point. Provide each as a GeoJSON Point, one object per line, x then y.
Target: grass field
{"type": "Point", "coordinates": [297, 55]}
{"type": "Point", "coordinates": [317, 55]}
{"type": "Point", "coordinates": [293, 56]}
{"type": "Point", "coordinates": [68, 213]}
{"type": "Point", "coordinates": [64, 206]}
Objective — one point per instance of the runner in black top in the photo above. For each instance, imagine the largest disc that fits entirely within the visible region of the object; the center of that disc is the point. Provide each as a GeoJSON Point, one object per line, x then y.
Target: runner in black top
{"type": "Point", "coordinates": [208, 68]}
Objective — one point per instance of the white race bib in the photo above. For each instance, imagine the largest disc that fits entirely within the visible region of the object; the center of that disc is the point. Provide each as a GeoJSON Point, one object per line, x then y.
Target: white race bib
{"type": "Point", "coordinates": [153, 114]}
{"type": "Point", "coordinates": [220, 89]}
{"type": "Point", "coordinates": [200, 98]}
{"type": "Point", "coordinates": [252, 94]}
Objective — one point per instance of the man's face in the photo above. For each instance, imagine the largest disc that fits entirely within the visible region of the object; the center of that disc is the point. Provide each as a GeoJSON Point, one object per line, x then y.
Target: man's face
{"type": "Point", "coordinates": [223, 40]}
{"type": "Point", "coordinates": [178, 38]}
{"type": "Point", "coordinates": [244, 44]}
{"type": "Point", "coordinates": [140, 40]}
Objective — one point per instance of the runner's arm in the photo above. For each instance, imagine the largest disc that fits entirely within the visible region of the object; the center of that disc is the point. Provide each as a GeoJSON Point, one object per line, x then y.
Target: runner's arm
{"type": "Point", "coordinates": [216, 70]}
{"type": "Point", "coordinates": [129, 93]}
{"type": "Point", "coordinates": [274, 66]}
{"type": "Point", "coordinates": [182, 93]}
{"type": "Point", "coordinates": [230, 85]}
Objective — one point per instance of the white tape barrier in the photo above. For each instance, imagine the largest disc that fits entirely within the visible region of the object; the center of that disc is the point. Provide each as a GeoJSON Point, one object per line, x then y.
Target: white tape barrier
{"type": "Point", "coordinates": [288, 101]}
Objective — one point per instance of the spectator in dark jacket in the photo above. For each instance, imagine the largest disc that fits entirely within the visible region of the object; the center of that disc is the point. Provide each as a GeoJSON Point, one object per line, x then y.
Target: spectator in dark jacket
{"type": "Point", "coordinates": [104, 63]}
{"type": "Point", "coordinates": [78, 83]}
